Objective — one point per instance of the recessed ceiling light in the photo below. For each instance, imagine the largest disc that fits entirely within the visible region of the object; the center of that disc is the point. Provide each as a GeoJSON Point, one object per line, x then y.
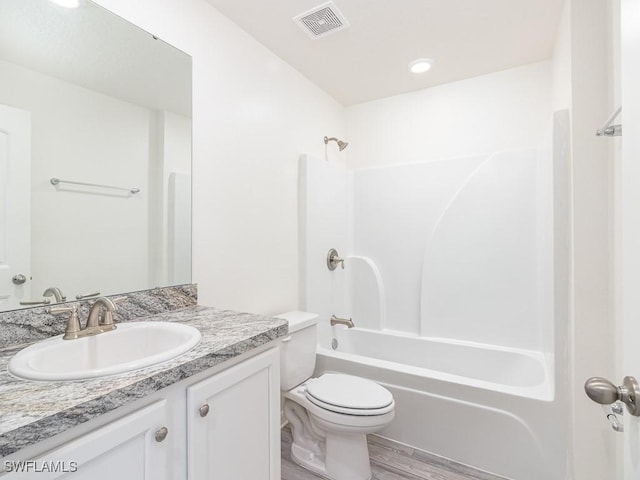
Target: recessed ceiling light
{"type": "Point", "coordinates": [420, 65]}
{"type": "Point", "coordinates": [67, 3]}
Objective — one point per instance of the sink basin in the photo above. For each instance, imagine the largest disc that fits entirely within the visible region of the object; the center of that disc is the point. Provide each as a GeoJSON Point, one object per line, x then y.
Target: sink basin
{"type": "Point", "coordinates": [129, 347]}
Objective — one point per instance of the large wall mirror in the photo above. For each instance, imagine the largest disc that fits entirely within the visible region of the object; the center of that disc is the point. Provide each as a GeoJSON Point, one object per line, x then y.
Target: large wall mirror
{"type": "Point", "coordinates": [105, 108]}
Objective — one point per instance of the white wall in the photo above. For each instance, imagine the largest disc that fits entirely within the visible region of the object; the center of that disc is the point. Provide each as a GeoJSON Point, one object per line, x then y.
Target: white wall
{"type": "Point", "coordinates": [81, 135]}
{"type": "Point", "coordinates": [561, 62]}
{"type": "Point", "coordinates": [499, 111]}
{"type": "Point", "coordinates": [253, 115]}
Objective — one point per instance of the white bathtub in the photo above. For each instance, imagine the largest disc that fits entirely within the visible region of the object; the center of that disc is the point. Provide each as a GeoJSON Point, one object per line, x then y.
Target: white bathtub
{"type": "Point", "coordinates": [490, 407]}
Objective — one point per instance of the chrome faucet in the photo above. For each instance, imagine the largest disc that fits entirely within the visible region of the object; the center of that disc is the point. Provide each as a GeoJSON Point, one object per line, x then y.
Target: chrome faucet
{"type": "Point", "coordinates": [341, 321]}
{"type": "Point", "coordinates": [56, 292]}
{"type": "Point", "coordinates": [99, 320]}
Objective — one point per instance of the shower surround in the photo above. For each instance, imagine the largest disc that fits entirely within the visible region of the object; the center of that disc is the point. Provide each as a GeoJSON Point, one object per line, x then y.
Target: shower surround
{"type": "Point", "coordinates": [455, 279]}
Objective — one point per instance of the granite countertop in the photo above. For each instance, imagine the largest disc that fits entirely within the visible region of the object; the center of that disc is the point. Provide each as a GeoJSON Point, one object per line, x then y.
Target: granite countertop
{"type": "Point", "coordinates": [34, 411]}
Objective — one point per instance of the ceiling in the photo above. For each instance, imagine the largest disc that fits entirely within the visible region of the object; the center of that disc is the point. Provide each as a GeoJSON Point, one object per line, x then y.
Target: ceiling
{"type": "Point", "coordinates": [369, 60]}
{"type": "Point", "coordinates": [93, 48]}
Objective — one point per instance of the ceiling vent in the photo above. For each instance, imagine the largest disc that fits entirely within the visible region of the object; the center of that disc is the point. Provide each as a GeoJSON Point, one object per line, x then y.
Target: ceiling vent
{"type": "Point", "coordinates": [322, 20]}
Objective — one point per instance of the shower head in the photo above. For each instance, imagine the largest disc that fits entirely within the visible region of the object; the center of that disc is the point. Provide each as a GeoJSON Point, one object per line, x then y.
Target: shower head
{"type": "Point", "coordinates": [341, 145]}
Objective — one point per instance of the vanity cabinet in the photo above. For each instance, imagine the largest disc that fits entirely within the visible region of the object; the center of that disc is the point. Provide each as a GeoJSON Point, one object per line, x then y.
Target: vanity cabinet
{"type": "Point", "coordinates": [132, 447]}
{"type": "Point", "coordinates": [237, 435]}
{"type": "Point", "coordinates": [233, 422]}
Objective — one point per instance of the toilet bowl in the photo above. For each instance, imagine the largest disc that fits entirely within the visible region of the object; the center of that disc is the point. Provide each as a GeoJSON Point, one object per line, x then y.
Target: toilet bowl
{"type": "Point", "coordinates": [331, 415]}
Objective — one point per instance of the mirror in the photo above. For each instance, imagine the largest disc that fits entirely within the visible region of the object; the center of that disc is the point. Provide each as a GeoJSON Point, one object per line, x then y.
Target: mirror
{"type": "Point", "coordinates": [105, 108]}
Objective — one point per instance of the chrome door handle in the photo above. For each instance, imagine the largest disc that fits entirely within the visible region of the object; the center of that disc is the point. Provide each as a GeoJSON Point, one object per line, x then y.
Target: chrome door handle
{"type": "Point", "coordinates": [602, 391]}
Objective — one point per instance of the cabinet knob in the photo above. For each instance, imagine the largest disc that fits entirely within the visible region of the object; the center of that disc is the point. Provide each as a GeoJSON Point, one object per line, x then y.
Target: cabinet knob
{"type": "Point", "coordinates": [162, 434]}
{"type": "Point", "coordinates": [204, 410]}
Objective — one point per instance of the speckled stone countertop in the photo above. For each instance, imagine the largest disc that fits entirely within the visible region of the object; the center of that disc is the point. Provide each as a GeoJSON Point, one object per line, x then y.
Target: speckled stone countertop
{"type": "Point", "coordinates": [34, 411]}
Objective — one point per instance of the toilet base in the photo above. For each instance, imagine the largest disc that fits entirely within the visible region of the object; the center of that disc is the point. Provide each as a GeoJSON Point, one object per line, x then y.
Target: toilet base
{"type": "Point", "coordinates": [308, 460]}
{"type": "Point", "coordinates": [330, 450]}
{"type": "Point", "coordinates": [328, 443]}
{"type": "Point", "coordinates": [348, 458]}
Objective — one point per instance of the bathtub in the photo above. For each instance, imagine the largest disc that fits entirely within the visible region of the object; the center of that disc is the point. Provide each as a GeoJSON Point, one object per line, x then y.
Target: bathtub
{"type": "Point", "coordinates": [489, 407]}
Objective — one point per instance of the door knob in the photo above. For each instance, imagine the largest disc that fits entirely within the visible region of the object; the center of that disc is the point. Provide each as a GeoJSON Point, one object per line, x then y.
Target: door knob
{"type": "Point", "coordinates": [602, 391]}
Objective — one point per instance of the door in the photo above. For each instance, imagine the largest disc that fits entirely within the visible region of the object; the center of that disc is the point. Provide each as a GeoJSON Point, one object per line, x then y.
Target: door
{"type": "Point", "coordinates": [15, 206]}
{"type": "Point", "coordinates": [630, 219]}
{"type": "Point", "coordinates": [233, 422]}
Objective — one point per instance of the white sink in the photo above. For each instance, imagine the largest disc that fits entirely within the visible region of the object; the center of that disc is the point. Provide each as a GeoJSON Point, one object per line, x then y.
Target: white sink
{"type": "Point", "coordinates": [129, 347]}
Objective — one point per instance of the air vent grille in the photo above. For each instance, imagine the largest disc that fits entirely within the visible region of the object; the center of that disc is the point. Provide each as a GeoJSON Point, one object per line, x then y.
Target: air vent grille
{"type": "Point", "coordinates": [322, 20]}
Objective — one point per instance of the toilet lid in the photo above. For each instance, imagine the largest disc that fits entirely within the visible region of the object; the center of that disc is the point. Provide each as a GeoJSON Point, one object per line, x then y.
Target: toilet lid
{"type": "Point", "coordinates": [346, 392]}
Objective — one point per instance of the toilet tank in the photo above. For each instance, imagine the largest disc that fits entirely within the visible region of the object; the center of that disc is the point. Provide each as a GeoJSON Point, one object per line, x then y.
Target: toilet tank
{"type": "Point", "coordinates": [298, 349]}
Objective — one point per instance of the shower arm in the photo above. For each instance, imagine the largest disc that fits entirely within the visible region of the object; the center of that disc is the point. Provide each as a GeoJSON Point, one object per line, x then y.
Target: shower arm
{"type": "Point", "coordinates": [341, 145]}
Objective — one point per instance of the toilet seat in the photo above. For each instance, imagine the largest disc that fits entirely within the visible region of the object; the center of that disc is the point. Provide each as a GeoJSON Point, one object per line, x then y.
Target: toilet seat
{"type": "Point", "coordinates": [349, 395]}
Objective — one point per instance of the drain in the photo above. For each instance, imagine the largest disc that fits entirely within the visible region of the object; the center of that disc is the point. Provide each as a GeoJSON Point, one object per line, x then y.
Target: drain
{"type": "Point", "coordinates": [334, 343]}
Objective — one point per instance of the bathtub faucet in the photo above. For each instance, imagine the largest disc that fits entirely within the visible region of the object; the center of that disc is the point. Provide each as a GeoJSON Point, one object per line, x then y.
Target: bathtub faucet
{"type": "Point", "coordinates": [341, 321]}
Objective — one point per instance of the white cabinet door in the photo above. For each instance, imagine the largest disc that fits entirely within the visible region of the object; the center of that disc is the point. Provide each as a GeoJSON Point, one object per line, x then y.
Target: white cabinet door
{"type": "Point", "coordinates": [123, 450]}
{"type": "Point", "coordinates": [233, 422]}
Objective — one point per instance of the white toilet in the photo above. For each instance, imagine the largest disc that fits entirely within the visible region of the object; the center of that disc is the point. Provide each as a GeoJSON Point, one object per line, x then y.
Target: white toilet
{"type": "Point", "coordinates": [331, 415]}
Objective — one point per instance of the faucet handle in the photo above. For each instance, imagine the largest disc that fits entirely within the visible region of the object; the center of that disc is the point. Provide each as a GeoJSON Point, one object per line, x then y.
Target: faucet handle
{"type": "Point", "coordinates": [60, 310]}
{"type": "Point", "coordinates": [44, 301]}
{"type": "Point", "coordinates": [73, 324]}
{"type": "Point", "coordinates": [82, 296]}
{"type": "Point", "coordinates": [118, 300]}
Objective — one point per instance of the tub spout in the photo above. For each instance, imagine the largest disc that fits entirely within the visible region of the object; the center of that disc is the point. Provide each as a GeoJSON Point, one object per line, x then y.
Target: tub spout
{"type": "Point", "coordinates": [341, 321]}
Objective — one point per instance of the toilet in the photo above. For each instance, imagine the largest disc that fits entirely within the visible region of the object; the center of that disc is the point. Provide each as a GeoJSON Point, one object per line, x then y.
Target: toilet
{"type": "Point", "coordinates": [331, 415]}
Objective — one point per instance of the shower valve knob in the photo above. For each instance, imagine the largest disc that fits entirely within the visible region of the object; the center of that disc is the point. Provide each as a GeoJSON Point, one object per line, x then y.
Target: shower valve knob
{"type": "Point", "coordinates": [604, 392]}
{"type": "Point", "coordinates": [333, 259]}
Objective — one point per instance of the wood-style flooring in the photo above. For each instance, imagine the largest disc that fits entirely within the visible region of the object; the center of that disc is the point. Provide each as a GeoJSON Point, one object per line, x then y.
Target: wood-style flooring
{"type": "Point", "coordinates": [390, 461]}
